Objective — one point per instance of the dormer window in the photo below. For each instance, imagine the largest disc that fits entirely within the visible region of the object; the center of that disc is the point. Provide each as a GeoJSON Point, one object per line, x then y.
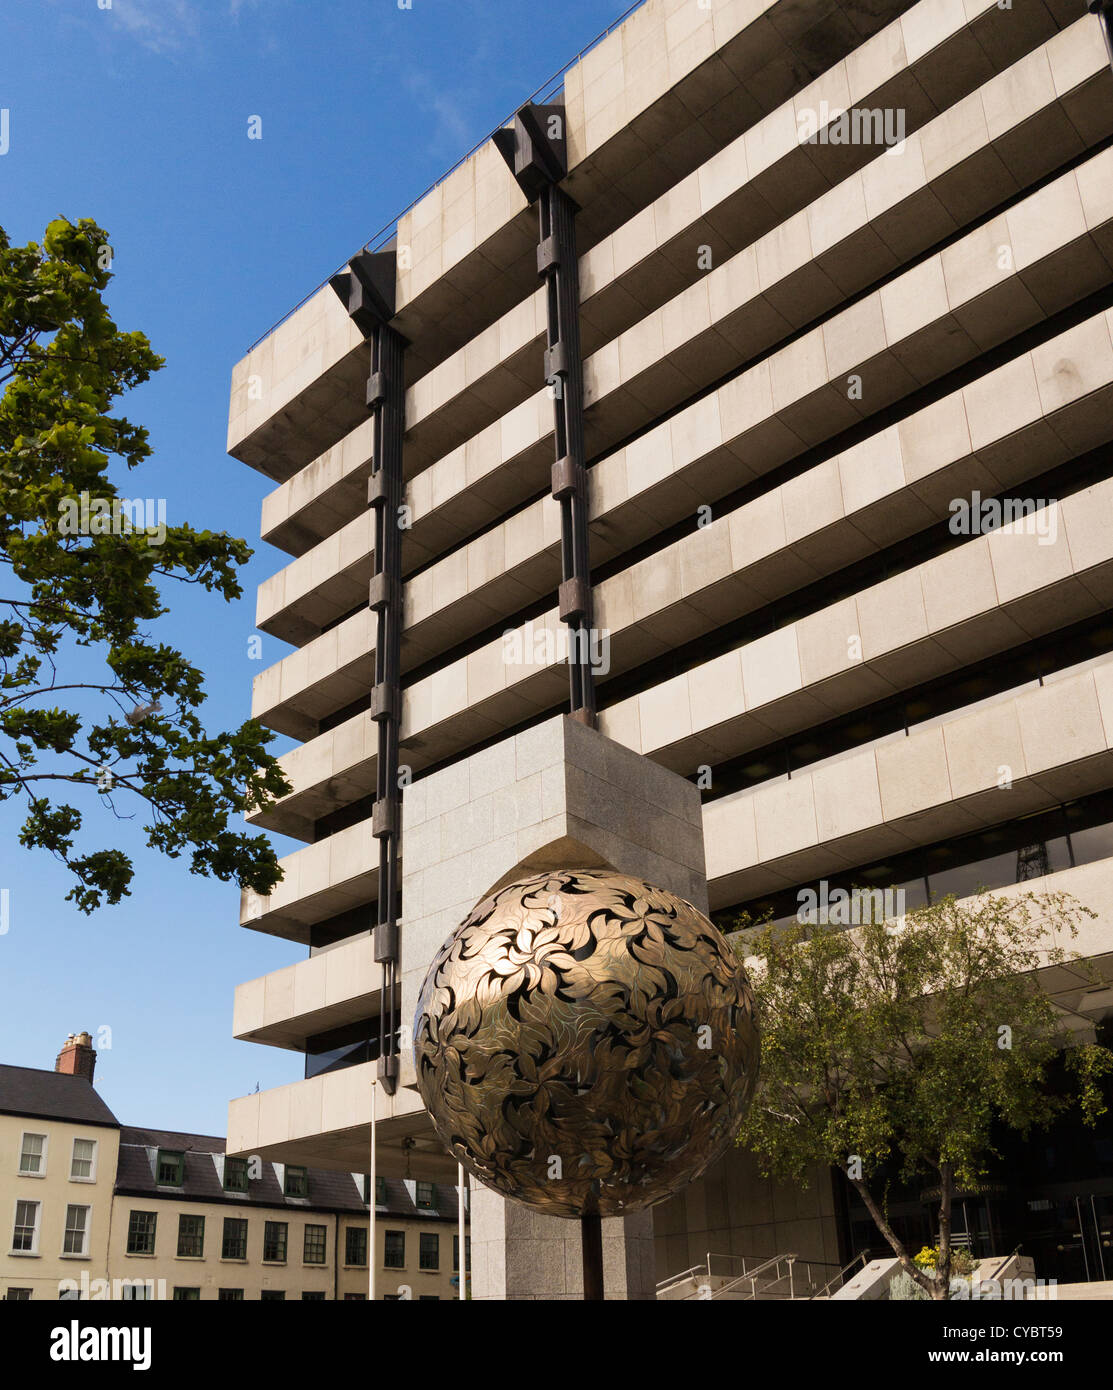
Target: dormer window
{"type": "Point", "coordinates": [235, 1174]}
{"type": "Point", "coordinates": [297, 1181]}
{"type": "Point", "coordinates": [170, 1168]}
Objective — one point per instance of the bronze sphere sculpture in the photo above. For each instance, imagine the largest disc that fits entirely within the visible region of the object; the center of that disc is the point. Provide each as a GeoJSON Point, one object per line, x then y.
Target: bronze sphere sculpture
{"type": "Point", "coordinates": [585, 1043]}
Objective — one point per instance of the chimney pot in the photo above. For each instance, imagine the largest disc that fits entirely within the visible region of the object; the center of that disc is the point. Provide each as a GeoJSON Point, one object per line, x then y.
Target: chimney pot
{"type": "Point", "coordinates": [77, 1057]}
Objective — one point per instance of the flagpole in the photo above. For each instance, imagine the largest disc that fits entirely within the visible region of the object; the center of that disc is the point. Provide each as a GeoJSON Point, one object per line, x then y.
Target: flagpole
{"type": "Point", "coordinates": [371, 1199]}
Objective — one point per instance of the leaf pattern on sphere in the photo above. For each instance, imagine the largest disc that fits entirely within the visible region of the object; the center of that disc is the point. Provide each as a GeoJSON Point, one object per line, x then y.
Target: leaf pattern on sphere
{"type": "Point", "coordinates": [563, 1018]}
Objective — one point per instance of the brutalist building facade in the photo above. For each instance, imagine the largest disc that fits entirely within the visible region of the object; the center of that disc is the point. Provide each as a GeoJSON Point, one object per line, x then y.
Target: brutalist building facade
{"type": "Point", "coordinates": [710, 477]}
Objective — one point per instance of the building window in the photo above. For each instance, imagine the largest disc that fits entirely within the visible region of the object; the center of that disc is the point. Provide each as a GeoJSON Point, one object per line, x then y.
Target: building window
{"type": "Point", "coordinates": [394, 1250]}
{"type": "Point", "coordinates": [380, 1190]}
{"type": "Point", "coordinates": [182, 1295]}
{"type": "Point", "coordinates": [18, 1296]}
{"type": "Point", "coordinates": [274, 1242]}
{"type": "Point", "coordinates": [428, 1298]}
{"type": "Point", "coordinates": [456, 1251]}
{"type": "Point", "coordinates": [297, 1182]}
{"type": "Point", "coordinates": [313, 1296]}
{"type": "Point", "coordinates": [234, 1244]}
{"type": "Point", "coordinates": [428, 1250]}
{"type": "Point", "coordinates": [355, 1298]}
{"type": "Point", "coordinates": [141, 1232]}
{"type": "Point", "coordinates": [313, 1251]}
{"type": "Point", "coordinates": [75, 1241]}
{"type": "Point", "coordinates": [170, 1168]}
{"type": "Point", "coordinates": [191, 1237]}
{"type": "Point", "coordinates": [137, 1290]}
{"type": "Point", "coordinates": [32, 1156]}
{"type": "Point", "coordinates": [355, 1246]}
{"type": "Point", "coordinates": [83, 1163]}
{"type": "Point", "coordinates": [25, 1233]}
{"type": "Point", "coordinates": [229, 1296]}
{"type": "Point", "coordinates": [272, 1295]}
{"type": "Point", "coordinates": [426, 1197]}
{"type": "Point", "coordinates": [351, 1044]}
{"type": "Point", "coordinates": [235, 1175]}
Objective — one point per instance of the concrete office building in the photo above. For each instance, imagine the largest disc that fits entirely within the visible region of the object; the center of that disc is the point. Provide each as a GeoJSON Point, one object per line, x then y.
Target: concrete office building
{"type": "Point", "coordinates": [98, 1210]}
{"type": "Point", "coordinates": [768, 351]}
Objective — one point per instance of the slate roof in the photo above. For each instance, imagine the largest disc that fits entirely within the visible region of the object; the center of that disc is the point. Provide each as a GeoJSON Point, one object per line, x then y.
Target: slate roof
{"type": "Point", "coordinates": [328, 1191]}
{"type": "Point", "coordinates": [400, 1203]}
{"type": "Point", "coordinates": [52, 1095]}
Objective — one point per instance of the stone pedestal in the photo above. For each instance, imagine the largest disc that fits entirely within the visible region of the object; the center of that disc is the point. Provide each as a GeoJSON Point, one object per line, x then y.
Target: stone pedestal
{"type": "Point", "coordinates": [557, 796]}
{"type": "Point", "coordinates": [520, 1255]}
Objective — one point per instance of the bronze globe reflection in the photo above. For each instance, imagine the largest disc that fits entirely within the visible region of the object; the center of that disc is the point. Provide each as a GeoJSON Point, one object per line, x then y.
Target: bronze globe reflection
{"type": "Point", "coordinates": [585, 1043]}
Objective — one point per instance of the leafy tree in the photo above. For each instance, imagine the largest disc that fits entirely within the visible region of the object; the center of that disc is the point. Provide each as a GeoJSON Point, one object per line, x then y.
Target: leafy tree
{"type": "Point", "coordinates": [911, 1040]}
{"type": "Point", "coordinates": [81, 589]}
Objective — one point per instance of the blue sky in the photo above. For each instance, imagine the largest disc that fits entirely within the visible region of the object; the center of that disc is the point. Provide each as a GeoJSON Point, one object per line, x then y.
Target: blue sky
{"type": "Point", "coordinates": [136, 114]}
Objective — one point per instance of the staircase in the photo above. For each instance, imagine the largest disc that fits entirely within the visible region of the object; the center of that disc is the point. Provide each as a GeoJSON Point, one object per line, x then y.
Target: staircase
{"type": "Point", "coordinates": [743, 1279]}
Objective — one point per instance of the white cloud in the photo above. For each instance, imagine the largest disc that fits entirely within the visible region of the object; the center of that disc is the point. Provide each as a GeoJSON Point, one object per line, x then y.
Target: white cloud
{"type": "Point", "coordinates": [159, 25]}
{"type": "Point", "coordinates": [451, 128]}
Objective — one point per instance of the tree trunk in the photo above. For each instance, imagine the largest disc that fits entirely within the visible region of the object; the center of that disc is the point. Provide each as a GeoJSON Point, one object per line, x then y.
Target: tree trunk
{"type": "Point", "coordinates": [907, 1264]}
{"type": "Point", "coordinates": [943, 1265]}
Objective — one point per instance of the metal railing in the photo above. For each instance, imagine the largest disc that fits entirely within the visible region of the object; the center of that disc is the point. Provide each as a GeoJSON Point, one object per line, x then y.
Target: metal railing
{"type": "Point", "coordinates": [839, 1279]}
{"type": "Point", "coordinates": [736, 1287]}
{"type": "Point", "coordinates": [798, 1279]}
{"type": "Point", "coordinates": [702, 1270]}
{"type": "Point", "coordinates": [543, 93]}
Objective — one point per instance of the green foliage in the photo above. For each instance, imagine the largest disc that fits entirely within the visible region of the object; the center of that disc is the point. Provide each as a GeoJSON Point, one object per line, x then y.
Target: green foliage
{"type": "Point", "coordinates": [912, 1040]}
{"type": "Point", "coordinates": [963, 1263]}
{"type": "Point", "coordinates": [75, 609]}
{"type": "Point", "coordinates": [904, 1288]}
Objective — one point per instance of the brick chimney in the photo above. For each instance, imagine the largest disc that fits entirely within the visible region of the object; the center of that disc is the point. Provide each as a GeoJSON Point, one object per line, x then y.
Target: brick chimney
{"type": "Point", "coordinates": [77, 1057]}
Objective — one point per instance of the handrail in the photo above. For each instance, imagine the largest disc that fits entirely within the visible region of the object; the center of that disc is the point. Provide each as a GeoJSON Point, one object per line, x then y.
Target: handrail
{"type": "Point", "coordinates": [703, 1270]}
{"type": "Point", "coordinates": [752, 1274]}
{"type": "Point", "coordinates": [704, 1267]}
{"type": "Point", "coordinates": [1004, 1263]}
{"type": "Point", "coordinates": [675, 1279]}
{"type": "Point", "coordinates": [861, 1258]}
{"type": "Point", "coordinates": [383, 235]}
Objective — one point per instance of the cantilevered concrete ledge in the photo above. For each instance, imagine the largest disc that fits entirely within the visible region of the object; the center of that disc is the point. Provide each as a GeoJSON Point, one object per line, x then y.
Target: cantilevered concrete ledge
{"type": "Point", "coordinates": [990, 593]}
{"type": "Point", "coordinates": [1082, 985]}
{"type": "Point", "coordinates": [987, 594]}
{"type": "Point", "coordinates": [320, 881]}
{"type": "Point", "coordinates": [1030, 414]}
{"type": "Point", "coordinates": [285, 1008]}
{"type": "Point", "coordinates": [325, 1122]}
{"type": "Point", "coordinates": [700, 73]}
{"type": "Point", "coordinates": [929, 320]}
{"type": "Point", "coordinates": [1052, 744]}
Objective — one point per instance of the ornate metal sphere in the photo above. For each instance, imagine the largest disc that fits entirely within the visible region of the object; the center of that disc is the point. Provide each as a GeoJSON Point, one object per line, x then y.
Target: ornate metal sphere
{"type": "Point", "coordinates": [585, 1043]}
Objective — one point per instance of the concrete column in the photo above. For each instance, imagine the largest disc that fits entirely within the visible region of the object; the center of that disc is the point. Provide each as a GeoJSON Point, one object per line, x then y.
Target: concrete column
{"type": "Point", "coordinates": [519, 1255]}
